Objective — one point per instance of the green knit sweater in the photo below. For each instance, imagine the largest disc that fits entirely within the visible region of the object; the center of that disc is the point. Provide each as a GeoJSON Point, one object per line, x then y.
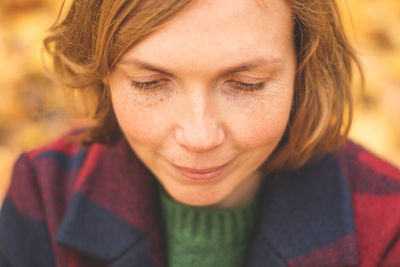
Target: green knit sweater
{"type": "Point", "coordinates": [198, 236]}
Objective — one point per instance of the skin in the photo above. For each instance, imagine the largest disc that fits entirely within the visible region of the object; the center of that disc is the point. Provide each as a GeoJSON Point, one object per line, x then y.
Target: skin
{"type": "Point", "coordinates": [198, 114]}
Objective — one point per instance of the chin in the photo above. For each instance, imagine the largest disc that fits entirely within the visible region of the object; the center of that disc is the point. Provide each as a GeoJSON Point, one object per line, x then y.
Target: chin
{"type": "Point", "coordinates": [199, 199]}
{"type": "Point", "coordinates": [200, 203]}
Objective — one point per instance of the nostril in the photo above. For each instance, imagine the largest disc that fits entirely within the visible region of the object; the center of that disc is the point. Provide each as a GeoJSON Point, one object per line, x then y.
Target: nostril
{"type": "Point", "coordinates": [200, 139]}
{"type": "Point", "coordinates": [179, 135]}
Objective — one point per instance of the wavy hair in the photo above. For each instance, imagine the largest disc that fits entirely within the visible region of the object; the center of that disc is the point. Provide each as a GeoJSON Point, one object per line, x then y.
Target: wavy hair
{"type": "Point", "coordinates": [94, 35]}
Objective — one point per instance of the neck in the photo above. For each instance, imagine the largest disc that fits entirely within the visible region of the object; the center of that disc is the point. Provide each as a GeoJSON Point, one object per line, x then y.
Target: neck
{"type": "Point", "coordinates": [243, 193]}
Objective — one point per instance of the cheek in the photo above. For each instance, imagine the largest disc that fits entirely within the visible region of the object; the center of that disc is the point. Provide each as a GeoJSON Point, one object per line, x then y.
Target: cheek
{"type": "Point", "coordinates": [139, 123]}
{"type": "Point", "coordinates": [262, 123]}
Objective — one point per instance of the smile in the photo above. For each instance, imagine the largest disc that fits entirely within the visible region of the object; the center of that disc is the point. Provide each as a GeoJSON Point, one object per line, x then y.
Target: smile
{"type": "Point", "coordinates": [200, 175]}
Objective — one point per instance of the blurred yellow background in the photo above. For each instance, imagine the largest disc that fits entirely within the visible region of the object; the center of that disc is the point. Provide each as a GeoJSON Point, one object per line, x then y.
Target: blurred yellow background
{"type": "Point", "coordinates": [34, 111]}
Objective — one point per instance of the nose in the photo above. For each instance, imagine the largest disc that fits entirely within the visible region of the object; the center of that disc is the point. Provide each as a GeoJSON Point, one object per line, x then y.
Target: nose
{"type": "Point", "coordinates": [199, 129]}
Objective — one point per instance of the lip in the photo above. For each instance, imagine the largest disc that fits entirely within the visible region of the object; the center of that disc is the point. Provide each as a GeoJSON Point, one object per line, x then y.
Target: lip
{"type": "Point", "coordinates": [200, 175]}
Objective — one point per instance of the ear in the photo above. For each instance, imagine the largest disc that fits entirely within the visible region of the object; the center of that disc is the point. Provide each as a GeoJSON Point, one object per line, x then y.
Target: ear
{"type": "Point", "coordinates": [105, 80]}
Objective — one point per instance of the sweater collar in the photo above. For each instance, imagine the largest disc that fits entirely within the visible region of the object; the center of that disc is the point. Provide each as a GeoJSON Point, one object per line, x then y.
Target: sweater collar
{"type": "Point", "coordinates": [305, 219]}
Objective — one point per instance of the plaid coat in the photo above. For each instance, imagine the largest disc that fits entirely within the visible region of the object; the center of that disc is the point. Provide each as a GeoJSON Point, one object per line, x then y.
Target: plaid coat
{"type": "Point", "coordinates": [74, 206]}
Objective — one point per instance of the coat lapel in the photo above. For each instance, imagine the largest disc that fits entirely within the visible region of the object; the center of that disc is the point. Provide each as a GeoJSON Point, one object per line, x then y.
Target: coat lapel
{"type": "Point", "coordinates": [113, 214]}
{"type": "Point", "coordinates": [306, 219]}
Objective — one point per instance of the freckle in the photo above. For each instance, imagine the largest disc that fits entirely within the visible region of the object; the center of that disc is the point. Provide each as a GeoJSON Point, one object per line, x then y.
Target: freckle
{"type": "Point", "coordinates": [161, 99]}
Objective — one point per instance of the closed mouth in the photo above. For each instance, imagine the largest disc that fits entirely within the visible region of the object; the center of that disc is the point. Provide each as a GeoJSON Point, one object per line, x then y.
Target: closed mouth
{"type": "Point", "coordinates": [200, 174]}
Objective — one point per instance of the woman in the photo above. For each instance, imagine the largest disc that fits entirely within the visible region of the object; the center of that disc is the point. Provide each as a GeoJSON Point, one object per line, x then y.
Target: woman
{"type": "Point", "coordinates": [219, 141]}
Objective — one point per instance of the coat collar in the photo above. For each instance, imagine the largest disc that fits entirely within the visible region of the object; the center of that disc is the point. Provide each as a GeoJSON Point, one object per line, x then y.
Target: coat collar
{"type": "Point", "coordinates": [113, 212]}
{"type": "Point", "coordinates": [306, 217]}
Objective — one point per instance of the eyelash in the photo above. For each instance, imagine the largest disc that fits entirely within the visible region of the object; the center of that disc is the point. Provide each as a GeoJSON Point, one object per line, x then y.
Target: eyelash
{"type": "Point", "coordinates": [248, 87]}
{"type": "Point", "coordinates": [153, 85]}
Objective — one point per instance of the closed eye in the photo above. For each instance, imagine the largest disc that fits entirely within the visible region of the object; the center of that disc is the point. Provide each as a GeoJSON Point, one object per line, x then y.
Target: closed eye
{"type": "Point", "coordinates": [150, 85]}
{"type": "Point", "coordinates": [241, 86]}
{"type": "Point", "coordinates": [156, 84]}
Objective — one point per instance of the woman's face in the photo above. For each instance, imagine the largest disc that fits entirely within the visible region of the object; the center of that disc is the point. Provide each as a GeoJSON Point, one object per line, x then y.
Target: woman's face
{"type": "Point", "coordinates": [204, 100]}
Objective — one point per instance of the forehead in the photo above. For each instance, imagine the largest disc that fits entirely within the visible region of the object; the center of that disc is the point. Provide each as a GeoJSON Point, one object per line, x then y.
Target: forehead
{"type": "Point", "coordinates": [208, 32]}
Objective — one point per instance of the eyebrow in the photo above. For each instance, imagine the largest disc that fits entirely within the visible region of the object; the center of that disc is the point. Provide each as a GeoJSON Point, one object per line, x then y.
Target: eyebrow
{"type": "Point", "coordinates": [253, 64]}
{"type": "Point", "coordinates": [244, 66]}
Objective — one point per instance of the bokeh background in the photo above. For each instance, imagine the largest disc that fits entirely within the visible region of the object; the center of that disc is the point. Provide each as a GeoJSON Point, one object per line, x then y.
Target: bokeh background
{"type": "Point", "coordinates": [33, 109]}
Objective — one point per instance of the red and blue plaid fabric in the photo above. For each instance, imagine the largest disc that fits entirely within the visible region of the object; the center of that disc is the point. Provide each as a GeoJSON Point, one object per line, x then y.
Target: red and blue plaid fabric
{"type": "Point", "coordinates": [75, 206]}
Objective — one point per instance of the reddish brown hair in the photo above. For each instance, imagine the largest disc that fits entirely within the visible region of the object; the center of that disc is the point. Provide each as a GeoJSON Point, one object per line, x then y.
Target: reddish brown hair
{"type": "Point", "coordinates": [94, 35]}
